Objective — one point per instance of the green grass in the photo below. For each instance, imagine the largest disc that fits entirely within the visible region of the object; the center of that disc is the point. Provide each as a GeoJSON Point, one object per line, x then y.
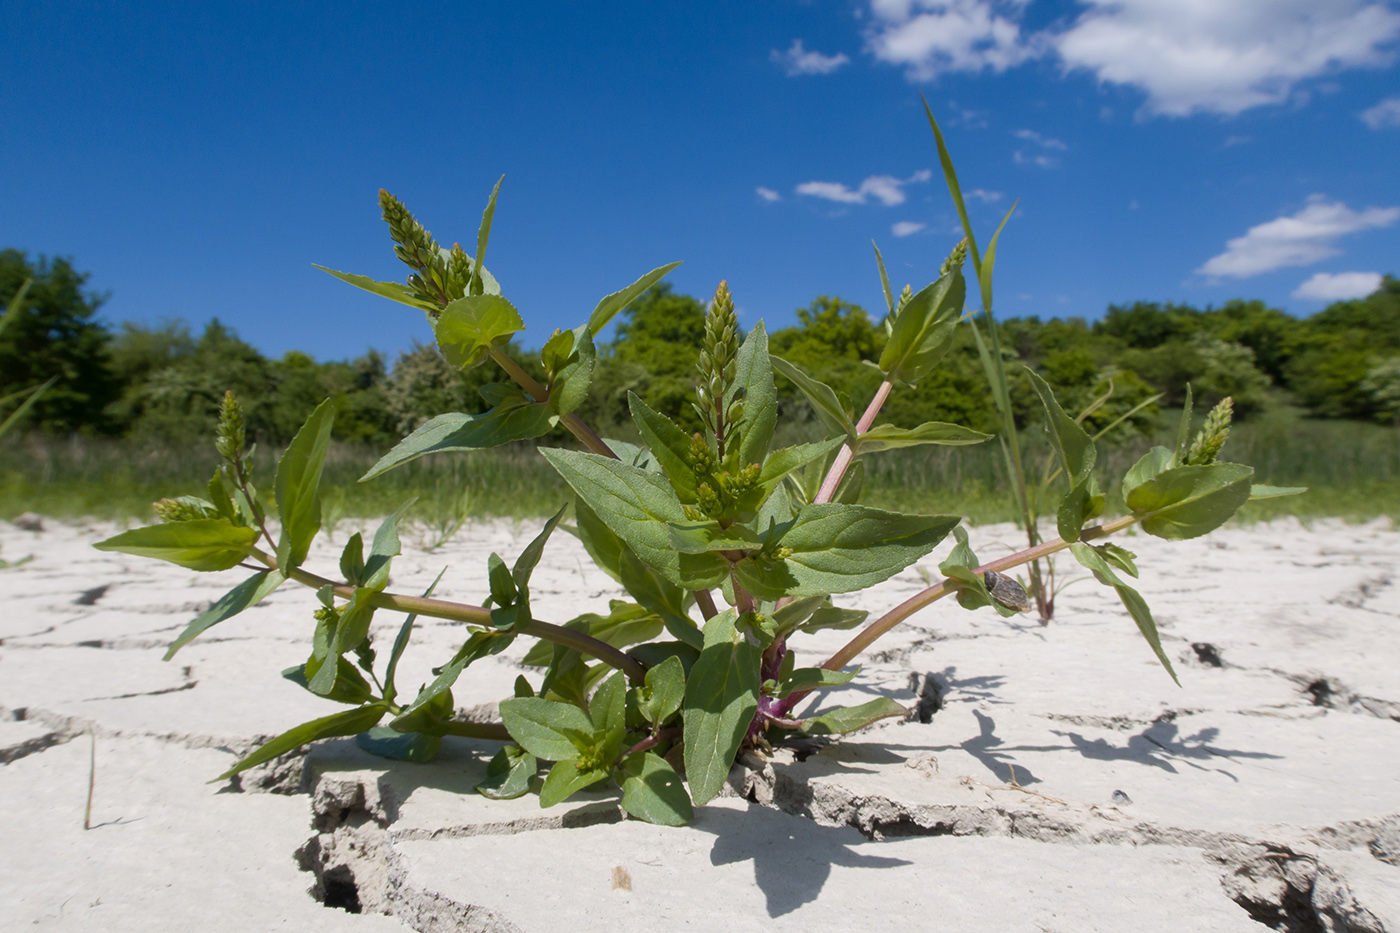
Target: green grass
{"type": "Point", "coordinates": [1352, 469]}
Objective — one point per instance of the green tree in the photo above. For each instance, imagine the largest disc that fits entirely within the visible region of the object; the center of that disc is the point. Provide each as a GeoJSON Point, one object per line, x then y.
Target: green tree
{"type": "Point", "coordinates": [55, 334]}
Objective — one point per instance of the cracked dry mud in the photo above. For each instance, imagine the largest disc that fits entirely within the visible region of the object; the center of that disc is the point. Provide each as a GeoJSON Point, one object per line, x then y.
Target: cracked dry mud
{"type": "Point", "coordinates": [1047, 778]}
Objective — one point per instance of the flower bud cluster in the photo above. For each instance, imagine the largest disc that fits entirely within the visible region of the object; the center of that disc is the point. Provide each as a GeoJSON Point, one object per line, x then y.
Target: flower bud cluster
{"type": "Point", "coordinates": [723, 495]}
{"type": "Point", "coordinates": [719, 351]}
{"type": "Point", "coordinates": [417, 249]}
{"type": "Point", "coordinates": [955, 259]}
{"type": "Point", "coordinates": [1205, 449]}
{"type": "Point", "coordinates": [231, 436]}
{"type": "Point", "coordinates": [173, 510]}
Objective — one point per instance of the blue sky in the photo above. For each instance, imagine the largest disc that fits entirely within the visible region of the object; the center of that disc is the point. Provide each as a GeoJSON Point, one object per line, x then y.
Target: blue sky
{"type": "Point", "coordinates": [198, 158]}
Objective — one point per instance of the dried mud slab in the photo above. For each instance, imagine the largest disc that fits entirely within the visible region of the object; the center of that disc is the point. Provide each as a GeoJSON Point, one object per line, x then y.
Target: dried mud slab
{"type": "Point", "coordinates": [1049, 778]}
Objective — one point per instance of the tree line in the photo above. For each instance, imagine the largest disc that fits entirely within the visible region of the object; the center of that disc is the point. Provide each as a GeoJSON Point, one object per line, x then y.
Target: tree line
{"type": "Point", "coordinates": [163, 383]}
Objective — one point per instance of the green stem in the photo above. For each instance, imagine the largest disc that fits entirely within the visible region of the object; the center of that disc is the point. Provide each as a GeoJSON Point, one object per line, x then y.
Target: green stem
{"type": "Point", "coordinates": [475, 615]}
{"type": "Point", "coordinates": [539, 393]}
{"type": "Point", "coordinates": [913, 604]}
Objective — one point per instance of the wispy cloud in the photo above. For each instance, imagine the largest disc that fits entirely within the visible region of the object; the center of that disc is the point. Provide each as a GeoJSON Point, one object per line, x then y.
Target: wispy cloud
{"type": "Point", "coordinates": [768, 194]}
{"type": "Point", "coordinates": [1235, 141]}
{"type": "Point", "coordinates": [799, 61]}
{"type": "Point", "coordinates": [1382, 115]}
{"type": "Point", "coordinates": [933, 37]}
{"type": "Point", "coordinates": [982, 194]}
{"type": "Point", "coordinates": [1046, 141]}
{"type": "Point", "coordinates": [906, 228]}
{"type": "Point", "coordinates": [1224, 57]}
{"type": "Point", "coordinates": [1338, 286]}
{"type": "Point", "coordinates": [1299, 239]}
{"type": "Point", "coordinates": [886, 189]}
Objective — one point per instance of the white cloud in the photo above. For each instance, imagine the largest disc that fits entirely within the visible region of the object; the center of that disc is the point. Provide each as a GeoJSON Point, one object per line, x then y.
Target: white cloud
{"type": "Point", "coordinates": [1338, 286]}
{"type": "Point", "coordinates": [1384, 114]}
{"type": "Point", "coordinates": [886, 189]}
{"type": "Point", "coordinates": [1223, 57]}
{"type": "Point", "coordinates": [1044, 161]}
{"type": "Point", "coordinates": [768, 194]}
{"type": "Point", "coordinates": [1235, 141]}
{"type": "Point", "coordinates": [1034, 137]}
{"type": "Point", "coordinates": [799, 61]}
{"type": "Point", "coordinates": [933, 37]}
{"type": "Point", "coordinates": [983, 195]}
{"type": "Point", "coordinates": [1297, 240]}
{"type": "Point", "coordinates": [907, 227]}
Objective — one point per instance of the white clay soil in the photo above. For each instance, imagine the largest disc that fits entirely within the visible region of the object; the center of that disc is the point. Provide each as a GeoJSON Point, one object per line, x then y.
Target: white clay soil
{"type": "Point", "coordinates": [1048, 778]}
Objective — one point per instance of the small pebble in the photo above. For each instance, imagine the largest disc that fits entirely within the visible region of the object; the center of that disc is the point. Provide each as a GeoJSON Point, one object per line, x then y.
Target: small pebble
{"type": "Point", "coordinates": [1120, 797]}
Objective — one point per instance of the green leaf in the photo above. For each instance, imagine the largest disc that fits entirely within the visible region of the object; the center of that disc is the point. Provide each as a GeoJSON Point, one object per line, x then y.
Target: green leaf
{"type": "Point", "coordinates": [1080, 504]}
{"type": "Point", "coordinates": [401, 643]}
{"type": "Point", "coordinates": [814, 678]}
{"type": "Point", "coordinates": [1120, 557]}
{"type": "Point", "coordinates": [530, 557]}
{"type": "Point", "coordinates": [652, 791]}
{"type": "Point", "coordinates": [348, 722]}
{"type": "Point", "coordinates": [822, 397]}
{"type": "Point", "coordinates": [429, 714]}
{"type": "Point", "coordinates": [638, 506]}
{"type": "Point", "coordinates": [753, 371]}
{"type": "Point", "coordinates": [612, 304]}
{"type": "Point", "coordinates": [1273, 492]}
{"type": "Point", "coordinates": [704, 536]}
{"type": "Point", "coordinates": [503, 589]}
{"type": "Point", "coordinates": [888, 437]}
{"type": "Point", "coordinates": [1135, 604]}
{"type": "Point", "coordinates": [782, 462]}
{"type": "Point", "coordinates": [469, 327]}
{"type": "Point", "coordinates": [346, 685]}
{"type": "Point", "coordinates": [385, 742]}
{"type": "Point", "coordinates": [481, 644]}
{"type": "Point", "coordinates": [455, 431]}
{"type": "Point", "coordinates": [960, 566]}
{"type": "Point", "coordinates": [483, 234]}
{"type": "Point", "coordinates": [248, 593]}
{"type": "Point", "coordinates": [355, 617]}
{"type": "Point", "coordinates": [721, 697]}
{"type": "Point", "coordinates": [607, 711]}
{"type": "Point", "coordinates": [851, 718]}
{"type": "Point", "coordinates": [1072, 443]}
{"type": "Point", "coordinates": [394, 291]}
{"type": "Point", "coordinates": [508, 774]}
{"type": "Point", "coordinates": [668, 444]}
{"type": "Point", "coordinates": [884, 278]}
{"type": "Point", "coordinates": [923, 329]}
{"type": "Point", "coordinates": [1155, 461]}
{"type": "Point", "coordinates": [600, 541]}
{"type": "Point", "coordinates": [657, 653]}
{"type": "Point", "coordinates": [565, 779]}
{"type": "Point", "coordinates": [384, 549]}
{"type": "Point", "coordinates": [205, 544]}
{"type": "Point", "coordinates": [571, 383]}
{"type": "Point", "coordinates": [1187, 502]}
{"type": "Point", "coordinates": [663, 691]}
{"type": "Point", "coordinates": [833, 617]}
{"type": "Point", "coordinates": [298, 487]}
{"type": "Point", "coordinates": [984, 272]}
{"type": "Point", "coordinates": [653, 591]}
{"type": "Point", "coordinates": [352, 560]}
{"type": "Point", "coordinates": [546, 729]}
{"type": "Point", "coordinates": [1183, 431]}
{"type": "Point", "coordinates": [842, 548]}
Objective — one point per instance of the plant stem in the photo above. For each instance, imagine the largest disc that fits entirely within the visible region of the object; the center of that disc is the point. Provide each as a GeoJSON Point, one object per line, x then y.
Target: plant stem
{"type": "Point", "coordinates": [934, 593]}
{"type": "Point", "coordinates": [706, 602]}
{"type": "Point", "coordinates": [652, 741]}
{"type": "Point", "coordinates": [539, 393]}
{"type": "Point", "coordinates": [844, 458]}
{"type": "Point", "coordinates": [476, 615]}
{"type": "Point", "coordinates": [478, 730]}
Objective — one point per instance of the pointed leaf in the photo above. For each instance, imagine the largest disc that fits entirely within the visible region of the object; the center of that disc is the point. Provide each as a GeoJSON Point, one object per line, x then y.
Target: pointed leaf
{"type": "Point", "coordinates": [608, 308]}
{"type": "Point", "coordinates": [814, 678]}
{"type": "Point", "coordinates": [1273, 492]}
{"type": "Point", "coordinates": [205, 544]}
{"type": "Point", "coordinates": [298, 487]}
{"type": "Point", "coordinates": [884, 278]}
{"type": "Point", "coordinates": [782, 462]}
{"type": "Point", "coordinates": [754, 372]}
{"type": "Point", "coordinates": [668, 444]}
{"type": "Point", "coordinates": [1187, 502]}
{"type": "Point", "coordinates": [1155, 461]}
{"type": "Point", "coordinates": [349, 722]}
{"type": "Point", "coordinates": [565, 779]}
{"type": "Point", "coordinates": [483, 234]}
{"type": "Point", "coordinates": [385, 742]}
{"type": "Point", "coordinates": [1135, 604]}
{"type": "Point", "coordinates": [384, 549]}
{"type": "Point", "coordinates": [842, 548]}
{"type": "Point", "coordinates": [721, 697]}
{"type": "Point", "coordinates": [508, 774]}
{"type": "Point", "coordinates": [401, 643]}
{"type": "Point", "coordinates": [663, 691]}
{"type": "Point", "coordinates": [394, 291]}
{"type": "Point", "coordinates": [923, 329]}
{"type": "Point", "coordinates": [455, 431]}
{"type": "Point", "coordinates": [248, 593]}
{"type": "Point", "coordinates": [822, 397]}
{"type": "Point", "coordinates": [546, 729]}
{"type": "Point", "coordinates": [888, 437]}
{"type": "Point", "coordinates": [851, 718]}
{"type": "Point", "coordinates": [1072, 442]}
{"type": "Point", "coordinates": [700, 537]}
